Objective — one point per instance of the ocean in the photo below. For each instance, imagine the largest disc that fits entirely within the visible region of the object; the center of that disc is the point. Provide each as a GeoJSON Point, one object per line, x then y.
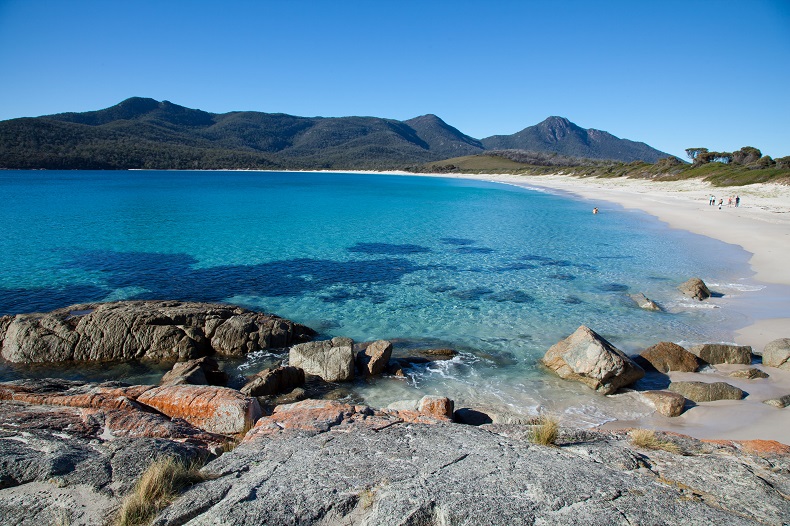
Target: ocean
{"type": "Point", "coordinates": [497, 272]}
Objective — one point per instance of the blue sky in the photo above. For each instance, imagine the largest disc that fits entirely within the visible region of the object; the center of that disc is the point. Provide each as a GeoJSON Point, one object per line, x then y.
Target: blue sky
{"type": "Point", "coordinates": [673, 74]}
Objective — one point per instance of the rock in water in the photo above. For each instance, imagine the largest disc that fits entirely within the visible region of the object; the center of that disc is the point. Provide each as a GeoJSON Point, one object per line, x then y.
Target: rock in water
{"type": "Point", "coordinates": [668, 356]}
{"type": "Point", "coordinates": [153, 330]}
{"type": "Point", "coordinates": [332, 360]}
{"type": "Point", "coordinates": [715, 353]}
{"type": "Point", "coordinates": [644, 302]}
{"type": "Point", "coordinates": [667, 403]}
{"type": "Point", "coordinates": [706, 392]}
{"type": "Point", "coordinates": [777, 354]}
{"type": "Point", "coordinates": [586, 357]}
{"type": "Point", "coordinates": [274, 381]}
{"type": "Point", "coordinates": [374, 359]}
{"type": "Point", "coordinates": [202, 371]}
{"type": "Point", "coordinates": [695, 288]}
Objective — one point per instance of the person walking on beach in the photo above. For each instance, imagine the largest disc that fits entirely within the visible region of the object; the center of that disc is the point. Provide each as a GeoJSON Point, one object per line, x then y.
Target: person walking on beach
{"type": "Point", "coordinates": [737, 201]}
{"type": "Point", "coordinates": [712, 200]}
{"type": "Point", "coordinates": [721, 202]}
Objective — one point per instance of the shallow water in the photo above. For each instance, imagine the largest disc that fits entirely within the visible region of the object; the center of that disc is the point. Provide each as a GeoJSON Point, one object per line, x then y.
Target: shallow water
{"type": "Point", "coordinates": [496, 271]}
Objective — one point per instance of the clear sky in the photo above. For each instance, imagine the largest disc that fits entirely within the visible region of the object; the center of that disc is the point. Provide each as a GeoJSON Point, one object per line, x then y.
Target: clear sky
{"type": "Point", "coordinates": [674, 74]}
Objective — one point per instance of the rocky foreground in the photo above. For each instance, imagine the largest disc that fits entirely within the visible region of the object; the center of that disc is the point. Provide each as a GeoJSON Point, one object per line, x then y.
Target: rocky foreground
{"type": "Point", "coordinates": [71, 451]}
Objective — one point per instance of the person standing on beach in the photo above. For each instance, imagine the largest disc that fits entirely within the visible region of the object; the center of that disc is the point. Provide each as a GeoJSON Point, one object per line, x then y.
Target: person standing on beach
{"type": "Point", "coordinates": [721, 202]}
{"type": "Point", "coordinates": [737, 201]}
{"type": "Point", "coordinates": [711, 200]}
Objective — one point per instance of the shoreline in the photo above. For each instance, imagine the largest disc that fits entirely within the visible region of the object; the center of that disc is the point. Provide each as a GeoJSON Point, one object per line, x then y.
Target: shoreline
{"type": "Point", "coordinates": [761, 226]}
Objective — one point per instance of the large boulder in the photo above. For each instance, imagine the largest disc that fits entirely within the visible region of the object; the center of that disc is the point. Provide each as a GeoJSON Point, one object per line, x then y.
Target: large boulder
{"type": "Point", "coordinates": [271, 382]}
{"type": "Point", "coordinates": [215, 409]}
{"type": "Point", "coordinates": [201, 371]}
{"type": "Point", "coordinates": [667, 356]}
{"type": "Point", "coordinates": [716, 353]}
{"type": "Point", "coordinates": [153, 330]}
{"type": "Point", "coordinates": [586, 357]}
{"type": "Point", "coordinates": [695, 288]}
{"type": "Point", "coordinates": [332, 360]}
{"type": "Point", "coordinates": [777, 354]}
{"type": "Point", "coordinates": [706, 392]}
{"type": "Point", "coordinates": [375, 358]}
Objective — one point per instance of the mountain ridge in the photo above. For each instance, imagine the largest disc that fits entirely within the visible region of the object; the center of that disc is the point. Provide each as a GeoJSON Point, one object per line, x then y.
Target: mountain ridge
{"type": "Point", "coordinates": [145, 133]}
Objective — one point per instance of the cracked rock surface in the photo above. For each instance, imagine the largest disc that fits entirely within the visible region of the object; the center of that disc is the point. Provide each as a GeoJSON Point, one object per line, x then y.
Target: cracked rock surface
{"type": "Point", "coordinates": [371, 467]}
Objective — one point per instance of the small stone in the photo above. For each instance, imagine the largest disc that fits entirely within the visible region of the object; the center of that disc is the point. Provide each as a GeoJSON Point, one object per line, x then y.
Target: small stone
{"type": "Point", "coordinates": [777, 354]}
{"type": "Point", "coordinates": [706, 392]}
{"type": "Point", "coordinates": [716, 353]}
{"type": "Point", "coordinates": [779, 403]}
{"type": "Point", "coordinates": [695, 288]}
{"type": "Point", "coordinates": [749, 374]}
{"type": "Point", "coordinates": [667, 403]}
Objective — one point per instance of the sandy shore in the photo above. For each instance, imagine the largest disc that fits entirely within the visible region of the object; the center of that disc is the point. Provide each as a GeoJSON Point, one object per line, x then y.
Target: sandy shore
{"type": "Point", "coordinates": [761, 226]}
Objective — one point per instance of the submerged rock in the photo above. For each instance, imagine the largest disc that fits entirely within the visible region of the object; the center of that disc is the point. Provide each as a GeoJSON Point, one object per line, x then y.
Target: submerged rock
{"type": "Point", "coordinates": [332, 360]}
{"type": "Point", "coordinates": [706, 392]}
{"type": "Point", "coordinates": [586, 357]}
{"type": "Point", "coordinates": [777, 354]}
{"type": "Point", "coordinates": [667, 356]}
{"type": "Point", "coordinates": [716, 353]}
{"type": "Point", "coordinates": [644, 302]}
{"type": "Point", "coordinates": [153, 330]}
{"type": "Point", "coordinates": [695, 288]}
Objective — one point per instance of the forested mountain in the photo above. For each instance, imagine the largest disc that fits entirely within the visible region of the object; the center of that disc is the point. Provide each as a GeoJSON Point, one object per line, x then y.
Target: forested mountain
{"type": "Point", "coordinates": [559, 135]}
{"type": "Point", "coordinates": [145, 133]}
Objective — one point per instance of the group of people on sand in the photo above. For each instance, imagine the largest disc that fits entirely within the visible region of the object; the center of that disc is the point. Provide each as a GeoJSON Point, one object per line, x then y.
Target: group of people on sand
{"type": "Point", "coordinates": [731, 200]}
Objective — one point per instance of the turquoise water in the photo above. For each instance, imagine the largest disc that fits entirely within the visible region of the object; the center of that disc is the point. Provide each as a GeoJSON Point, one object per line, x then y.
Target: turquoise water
{"type": "Point", "coordinates": [498, 272]}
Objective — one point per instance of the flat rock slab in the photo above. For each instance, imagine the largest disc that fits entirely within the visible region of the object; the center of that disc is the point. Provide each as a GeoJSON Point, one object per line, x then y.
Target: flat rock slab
{"type": "Point", "coordinates": [153, 330]}
{"type": "Point", "coordinates": [352, 472]}
{"type": "Point", "coordinates": [586, 357]}
{"type": "Point", "coordinates": [706, 392]}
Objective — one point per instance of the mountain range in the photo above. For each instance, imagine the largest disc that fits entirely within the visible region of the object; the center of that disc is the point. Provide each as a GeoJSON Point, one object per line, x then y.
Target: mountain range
{"type": "Point", "coordinates": [146, 133]}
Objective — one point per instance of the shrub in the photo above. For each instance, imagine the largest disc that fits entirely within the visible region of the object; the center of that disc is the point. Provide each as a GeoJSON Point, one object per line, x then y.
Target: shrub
{"type": "Point", "coordinates": [647, 439]}
{"type": "Point", "coordinates": [158, 486]}
{"type": "Point", "coordinates": [545, 430]}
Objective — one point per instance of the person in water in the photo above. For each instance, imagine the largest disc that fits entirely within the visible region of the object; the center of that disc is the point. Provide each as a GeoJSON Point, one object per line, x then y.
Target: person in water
{"type": "Point", "coordinates": [595, 210]}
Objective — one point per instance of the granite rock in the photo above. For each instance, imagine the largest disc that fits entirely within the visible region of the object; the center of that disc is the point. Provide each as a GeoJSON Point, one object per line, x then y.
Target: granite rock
{"type": "Point", "coordinates": [667, 356]}
{"type": "Point", "coordinates": [586, 357]}
{"type": "Point", "coordinates": [695, 288]}
{"type": "Point", "coordinates": [716, 353]}
{"type": "Point", "coordinates": [332, 360]}
{"type": "Point", "coordinates": [374, 359]}
{"type": "Point", "coordinates": [777, 354]}
{"type": "Point", "coordinates": [276, 381]}
{"type": "Point", "coordinates": [706, 392]}
{"type": "Point", "coordinates": [201, 371]}
{"type": "Point", "coordinates": [666, 403]}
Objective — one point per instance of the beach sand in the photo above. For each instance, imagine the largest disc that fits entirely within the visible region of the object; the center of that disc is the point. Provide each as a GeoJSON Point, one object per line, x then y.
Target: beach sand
{"type": "Point", "coordinates": [761, 226]}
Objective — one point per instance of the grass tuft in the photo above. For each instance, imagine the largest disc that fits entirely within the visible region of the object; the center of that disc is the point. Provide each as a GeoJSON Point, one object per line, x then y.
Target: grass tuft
{"type": "Point", "coordinates": [545, 430]}
{"type": "Point", "coordinates": [647, 439]}
{"type": "Point", "coordinates": [158, 486]}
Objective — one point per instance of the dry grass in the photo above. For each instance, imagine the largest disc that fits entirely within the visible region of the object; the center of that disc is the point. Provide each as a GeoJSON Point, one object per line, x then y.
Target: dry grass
{"type": "Point", "coordinates": [647, 439]}
{"type": "Point", "coordinates": [545, 430]}
{"type": "Point", "coordinates": [158, 486]}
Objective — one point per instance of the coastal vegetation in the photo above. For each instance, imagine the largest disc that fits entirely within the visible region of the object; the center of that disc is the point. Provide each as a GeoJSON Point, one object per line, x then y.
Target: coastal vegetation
{"type": "Point", "coordinates": [717, 168]}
